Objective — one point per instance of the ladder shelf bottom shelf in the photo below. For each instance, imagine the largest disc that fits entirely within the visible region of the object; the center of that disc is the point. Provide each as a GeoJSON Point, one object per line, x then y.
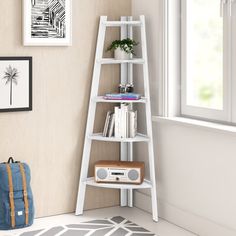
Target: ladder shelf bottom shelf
{"type": "Point", "coordinates": [145, 185]}
{"type": "Point", "coordinates": [137, 138]}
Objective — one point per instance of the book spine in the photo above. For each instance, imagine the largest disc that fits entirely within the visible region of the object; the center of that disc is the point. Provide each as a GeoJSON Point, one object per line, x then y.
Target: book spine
{"type": "Point", "coordinates": [122, 96]}
{"type": "Point", "coordinates": [116, 122]}
{"type": "Point", "coordinates": [109, 125]}
{"type": "Point", "coordinates": [127, 124]}
{"type": "Point", "coordinates": [106, 124]}
{"type": "Point", "coordinates": [122, 121]}
{"type": "Point", "coordinates": [126, 108]}
{"type": "Point", "coordinates": [133, 124]}
{"type": "Point", "coordinates": [131, 128]}
{"type": "Point", "coordinates": [130, 124]}
{"type": "Point", "coordinates": [112, 123]}
{"type": "Point", "coordinates": [119, 123]}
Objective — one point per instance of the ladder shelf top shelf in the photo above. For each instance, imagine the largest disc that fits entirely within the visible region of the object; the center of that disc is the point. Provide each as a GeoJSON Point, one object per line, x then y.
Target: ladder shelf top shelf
{"type": "Point", "coordinates": [122, 23]}
{"type": "Point", "coordinates": [146, 184]}
{"type": "Point", "coordinates": [102, 99]}
{"type": "Point", "coordinates": [115, 61]}
{"type": "Point", "coordinates": [137, 138]}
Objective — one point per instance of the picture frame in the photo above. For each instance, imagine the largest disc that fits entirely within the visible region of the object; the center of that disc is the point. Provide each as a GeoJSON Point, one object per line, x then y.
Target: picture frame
{"type": "Point", "coordinates": [47, 22]}
{"type": "Point", "coordinates": [15, 84]}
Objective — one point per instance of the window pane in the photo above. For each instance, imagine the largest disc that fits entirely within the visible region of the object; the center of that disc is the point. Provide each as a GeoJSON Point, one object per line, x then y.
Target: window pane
{"type": "Point", "coordinates": [204, 39]}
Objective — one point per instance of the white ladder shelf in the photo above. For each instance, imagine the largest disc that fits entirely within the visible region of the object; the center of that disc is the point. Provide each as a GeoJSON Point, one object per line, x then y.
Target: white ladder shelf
{"type": "Point", "coordinates": [126, 25]}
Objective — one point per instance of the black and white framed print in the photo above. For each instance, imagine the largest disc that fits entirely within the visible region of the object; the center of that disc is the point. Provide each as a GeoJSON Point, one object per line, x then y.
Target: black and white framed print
{"type": "Point", "coordinates": [15, 84]}
{"type": "Point", "coordinates": [47, 22]}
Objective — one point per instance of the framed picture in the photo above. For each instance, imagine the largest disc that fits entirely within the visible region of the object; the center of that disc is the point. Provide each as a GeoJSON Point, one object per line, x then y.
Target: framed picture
{"type": "Point", "coordinates": [15, 84]}
{"type": "Point", "coordinates": [47, 22]}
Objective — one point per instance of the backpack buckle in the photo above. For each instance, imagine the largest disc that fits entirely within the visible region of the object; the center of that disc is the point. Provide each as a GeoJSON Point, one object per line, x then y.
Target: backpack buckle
{"type": "Point", "coordinates": [11, 194]}
{"type": "Point", "coordinates": [12, 213]}
{"type": "Point", "coordinates": [25, 193]}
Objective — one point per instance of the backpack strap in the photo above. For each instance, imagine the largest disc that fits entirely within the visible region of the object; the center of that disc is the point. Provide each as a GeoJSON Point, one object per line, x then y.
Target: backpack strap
{"type": "Point", "coordinates": [11, 196]}
{"type": "Point", "coordinates": [25, 194]}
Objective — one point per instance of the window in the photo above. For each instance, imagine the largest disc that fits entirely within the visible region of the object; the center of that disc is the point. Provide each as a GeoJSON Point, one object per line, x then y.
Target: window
{"type": "Point", "coordinates": [206, 57]}
{"type": "Point", "coordinates": [204, 54]}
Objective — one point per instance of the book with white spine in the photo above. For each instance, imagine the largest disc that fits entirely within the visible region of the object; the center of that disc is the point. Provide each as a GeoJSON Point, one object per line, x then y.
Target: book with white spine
{"type": "Point", "coordinates": [132, 124]}
{"type": "Point", "coordinates": [117, 122]}
{"type": "Point", "coordinates": [123, 120]}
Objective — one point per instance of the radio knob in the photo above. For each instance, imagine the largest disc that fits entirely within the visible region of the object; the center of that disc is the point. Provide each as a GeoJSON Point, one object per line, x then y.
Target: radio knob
{"type": "Point", "coordinates": [133, 175]}
{"type": "Point", "coordinates": [101, 173]}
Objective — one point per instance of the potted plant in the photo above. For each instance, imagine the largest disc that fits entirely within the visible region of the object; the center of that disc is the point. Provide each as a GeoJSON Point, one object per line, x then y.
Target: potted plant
{"type": "Point", "coordinates": [123, 49]}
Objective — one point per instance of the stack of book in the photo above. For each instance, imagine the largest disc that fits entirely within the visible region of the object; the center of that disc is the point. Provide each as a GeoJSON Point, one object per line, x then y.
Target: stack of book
{"type": "Point", "coordinates": [122, 123]}
{"type": "Point", "coordinates": [122, 96]}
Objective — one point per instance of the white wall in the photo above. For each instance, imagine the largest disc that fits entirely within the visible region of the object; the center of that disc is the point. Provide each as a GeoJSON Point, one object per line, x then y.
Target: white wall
{"type": "Point", "coordinates": [196, 167]}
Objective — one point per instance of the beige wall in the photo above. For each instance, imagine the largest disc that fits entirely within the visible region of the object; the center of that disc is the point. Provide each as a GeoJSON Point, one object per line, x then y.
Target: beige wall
{"type": "Point", "coordinates": [50, 138]}
{"type": "Point", "coordinates": [196, 167]}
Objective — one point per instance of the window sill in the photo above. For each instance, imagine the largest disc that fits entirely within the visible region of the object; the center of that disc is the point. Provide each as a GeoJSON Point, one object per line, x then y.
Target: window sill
{"type": "Point", "coordinates": [207, 125]}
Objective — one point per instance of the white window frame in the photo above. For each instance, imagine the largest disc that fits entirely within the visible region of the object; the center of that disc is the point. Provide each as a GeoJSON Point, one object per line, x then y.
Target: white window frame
{"type": "Point", "coordinates": [201, 112]}
{"type": "Point", "coordinates": [173, 82]}
{"type": "Point", "coordinates": [169, 84]}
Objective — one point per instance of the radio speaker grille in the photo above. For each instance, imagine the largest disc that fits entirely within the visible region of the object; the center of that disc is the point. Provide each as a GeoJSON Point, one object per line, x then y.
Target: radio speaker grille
{"type": "Point", "coordinates": [102, 173]}
{"type": "Point", "coordinates": [133, 175]}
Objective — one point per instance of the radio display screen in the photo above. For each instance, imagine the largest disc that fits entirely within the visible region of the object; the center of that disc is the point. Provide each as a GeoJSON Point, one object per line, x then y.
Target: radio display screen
{"type": "Point", "coordinates": [115, 173]}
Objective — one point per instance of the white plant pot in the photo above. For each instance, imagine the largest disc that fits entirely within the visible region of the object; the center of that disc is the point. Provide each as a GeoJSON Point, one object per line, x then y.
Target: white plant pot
{"type": "Point", "coordinates": [121, 55]}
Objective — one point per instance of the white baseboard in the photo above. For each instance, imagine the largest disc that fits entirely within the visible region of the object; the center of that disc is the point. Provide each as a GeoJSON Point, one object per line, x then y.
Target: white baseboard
{"type": "Point", "coordinates": [196, 224]}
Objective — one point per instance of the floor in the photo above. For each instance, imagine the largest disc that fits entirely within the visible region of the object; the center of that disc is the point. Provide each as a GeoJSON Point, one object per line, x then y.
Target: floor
{"type": "Point", "coordinates": [162, 228]}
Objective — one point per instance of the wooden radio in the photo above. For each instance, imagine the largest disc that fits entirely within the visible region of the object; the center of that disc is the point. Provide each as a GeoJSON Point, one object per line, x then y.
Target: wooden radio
{"type": "Point", "coordinates": [119, 172]}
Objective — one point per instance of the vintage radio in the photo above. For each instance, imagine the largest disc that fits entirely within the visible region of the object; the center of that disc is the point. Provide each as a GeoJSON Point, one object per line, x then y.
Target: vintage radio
{"type": "Point", "coordinates": [119, 172]}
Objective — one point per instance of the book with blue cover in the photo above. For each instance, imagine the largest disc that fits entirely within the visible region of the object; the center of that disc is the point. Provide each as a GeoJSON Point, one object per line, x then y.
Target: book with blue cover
{"type": "Point", "coordinates": [122, 96]}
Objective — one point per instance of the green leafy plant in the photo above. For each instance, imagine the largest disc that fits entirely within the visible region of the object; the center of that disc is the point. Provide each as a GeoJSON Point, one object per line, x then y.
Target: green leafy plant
{"type": "Point", "coordinates": [10, 75]}
{"type": "Point", "coordinates": [126, 45]}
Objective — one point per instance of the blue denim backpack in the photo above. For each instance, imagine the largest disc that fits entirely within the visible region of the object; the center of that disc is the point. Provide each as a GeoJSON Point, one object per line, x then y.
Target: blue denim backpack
{"type": "Point", "coordinates": [16, 199]}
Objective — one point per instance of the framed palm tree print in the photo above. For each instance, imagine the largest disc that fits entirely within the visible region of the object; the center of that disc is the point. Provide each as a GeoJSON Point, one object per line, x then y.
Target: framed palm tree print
{"type": "Point", "coordinates": [47, 22]}
{"type": "Point", "coordinates": [15, 84]}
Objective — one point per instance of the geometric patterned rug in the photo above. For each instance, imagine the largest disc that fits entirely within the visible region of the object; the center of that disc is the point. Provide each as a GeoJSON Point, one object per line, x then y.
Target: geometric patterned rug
{"type": "Point", "coordinates": [115, 226]}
